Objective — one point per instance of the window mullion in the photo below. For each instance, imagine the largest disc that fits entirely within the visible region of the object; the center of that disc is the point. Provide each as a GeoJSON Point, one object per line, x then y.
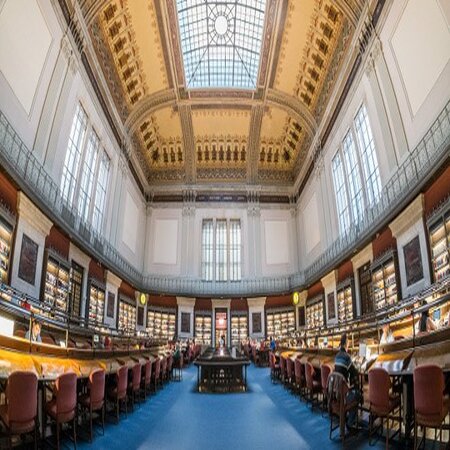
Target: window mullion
{"type": "Point", "coordinates": [360, 166]}
{"type": "Point", "coordinates": [346, 184]}
{"type": "Point", "coordinates": [94, 193]}
{"type": "Point", "coordinates": [79, 174]}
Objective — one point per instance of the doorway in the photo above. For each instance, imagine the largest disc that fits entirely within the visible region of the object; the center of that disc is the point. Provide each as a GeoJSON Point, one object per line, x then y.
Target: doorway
{"type": "Point", "coordinates": [221, 325]}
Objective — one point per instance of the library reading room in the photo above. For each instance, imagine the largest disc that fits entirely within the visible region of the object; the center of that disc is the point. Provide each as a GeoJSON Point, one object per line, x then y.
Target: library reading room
{"type": "Point", "coordinates": [225, 224]}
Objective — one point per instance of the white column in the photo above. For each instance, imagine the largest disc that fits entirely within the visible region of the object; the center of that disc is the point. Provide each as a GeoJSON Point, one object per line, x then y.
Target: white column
{"type": "Point", "coordinates": [256, 306]}
{"type": "Point", "coordinates": [113, 283]}
{"type": "Point", "coordinates": [83, 260]}
{"type": "Point", "coordinates": [33, 224]}
{"type": "Point", "coordinates": [329, 286]}
{"type": "Point", "coordinates": [361, 258]}
{"type": "Point", "coordinates": [413, 261]}
{"type": "Point", "coordinates": [185, 305]}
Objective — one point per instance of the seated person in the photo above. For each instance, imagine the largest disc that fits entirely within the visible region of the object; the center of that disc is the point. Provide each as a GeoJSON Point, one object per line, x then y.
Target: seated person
{"type": "Point", "coordinates": [35, 332]}
{"type": "Point", "coordinates": [426, 323]}
{"type": "Point", "coordinates": [273, 344]}
{"type": "Point", "coordinates": [343, 364]}
{"type": "Point", "coordinates": [387, 335]}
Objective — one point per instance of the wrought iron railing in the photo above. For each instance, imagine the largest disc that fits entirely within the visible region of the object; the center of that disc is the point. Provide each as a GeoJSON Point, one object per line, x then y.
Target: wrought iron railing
{"type": "Point", "coordinates": [408, 179]}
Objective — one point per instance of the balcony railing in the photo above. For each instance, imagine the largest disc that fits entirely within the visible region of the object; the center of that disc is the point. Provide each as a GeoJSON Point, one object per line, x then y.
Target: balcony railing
{"type": "Point", "coordinates": [406, 182]}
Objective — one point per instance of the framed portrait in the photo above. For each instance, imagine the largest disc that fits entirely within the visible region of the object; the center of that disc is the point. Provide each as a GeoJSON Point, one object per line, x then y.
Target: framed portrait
{"type": "Point", "coordinates": [185, 322]}
{"type": "Point", "coordinates": [413, 261]}
{"type": "Point", "coordinates": [28, 260]}
{"type": "Point", "coordinates": [331, 306]}
{"type": "Point", "coordinates": [256, 322]}
{"type": "Point", "coordinates": [140, 316]}
{"type": "Point", "coordinates": [110, 304]}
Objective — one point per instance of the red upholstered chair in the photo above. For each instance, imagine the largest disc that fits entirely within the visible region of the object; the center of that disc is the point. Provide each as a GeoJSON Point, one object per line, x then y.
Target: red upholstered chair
{"type": "Point", "coordinates": [94, 400]}
{"type": "Point", "coordinates": [156, 372]}
{"type": "Point", "coordinates": [282, 368]}
{"type": "Point", "coordinates": [170, 366]}
{"type": "Point", "coordinates": [382, 403]}
{"type": "Point", "coordinates": [274, 367]}
{"type": "Point", "coordinates": [313, 387]}
{"type": "Point", "coordinates": [430, 406]}
{"type": "Point", "coordinates": [117, 393]}
{"type": "Point", "coordinates": [146, 378]}
{"type": "Point", "coordinates": [19, 414]}
{"type": "Point", "coordinates": [63, 407]}
{"type": "Point", "coordinates": [163, 373]}
{"type": "Point", "coordinates": [134, 384]}
{"type": "Point", "coordinates": [289, 371]}
{"type": "Point", "coordinates": [325, 371]}
{"type": "Point", "coordinates": [299, 376]}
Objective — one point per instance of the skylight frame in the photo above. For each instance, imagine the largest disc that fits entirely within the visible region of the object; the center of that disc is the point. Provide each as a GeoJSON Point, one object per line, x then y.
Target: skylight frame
{"type": "Point", "coordinates": [221, 61]}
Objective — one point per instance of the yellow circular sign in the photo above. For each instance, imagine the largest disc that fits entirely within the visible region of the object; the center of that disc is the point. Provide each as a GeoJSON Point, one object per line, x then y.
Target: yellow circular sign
{"type": "Point", "coordinates": [142, 299]}
{"type": "Point", "coordinates": [295, 298]}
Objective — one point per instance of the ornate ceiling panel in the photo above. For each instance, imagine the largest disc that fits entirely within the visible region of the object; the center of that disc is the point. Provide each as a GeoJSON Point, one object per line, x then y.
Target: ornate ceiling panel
{"type": "Point", "coordinates": [258, 136]}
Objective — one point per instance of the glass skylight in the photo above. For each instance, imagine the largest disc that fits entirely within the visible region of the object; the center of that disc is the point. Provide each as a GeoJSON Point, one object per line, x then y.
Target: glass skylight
{"type": "Point", "coordinates": [221, 42]}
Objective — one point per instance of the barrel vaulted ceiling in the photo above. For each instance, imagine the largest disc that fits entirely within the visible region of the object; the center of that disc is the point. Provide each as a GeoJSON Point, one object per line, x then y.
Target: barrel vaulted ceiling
{"type": "Point", "coordinates": [194, 136]}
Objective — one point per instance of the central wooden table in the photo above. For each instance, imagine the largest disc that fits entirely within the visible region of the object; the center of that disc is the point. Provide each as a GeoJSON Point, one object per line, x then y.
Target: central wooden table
{"type": "Point", "coordinates": [220, 371]}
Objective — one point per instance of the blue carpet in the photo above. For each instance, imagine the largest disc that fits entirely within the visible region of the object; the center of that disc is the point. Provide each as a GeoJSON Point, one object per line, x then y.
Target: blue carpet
{"type": "Point", "coordinates": [266, 417]}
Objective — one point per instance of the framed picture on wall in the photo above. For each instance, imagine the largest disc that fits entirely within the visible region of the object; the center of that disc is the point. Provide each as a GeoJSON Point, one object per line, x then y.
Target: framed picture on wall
{"type": "Point", "coordinates": [185, 322]}
{"type": "Point", "coordinates": [331, 306]}
{"type": "Point", "coordinates": [413, 261]}
{"type": "Point", "coordinates": [28, 260]}
{"type": "Point", "coordinates": [111, 302]}
{"type": "Point", "coordinates": [256, 322]}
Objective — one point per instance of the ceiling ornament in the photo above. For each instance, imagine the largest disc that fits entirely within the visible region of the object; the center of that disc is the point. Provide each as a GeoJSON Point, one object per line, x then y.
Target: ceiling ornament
{"type": "Point", "coordinates": [116, 24]}
{"type": "Point", "coordinates": [326, 23]}
{"type": "Point", "coordinates": [221, 151]}
{"type": "Point", "coordinates": [183, 153]}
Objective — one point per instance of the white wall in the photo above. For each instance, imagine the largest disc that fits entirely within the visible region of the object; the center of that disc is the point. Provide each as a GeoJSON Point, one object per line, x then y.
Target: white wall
{"type": "Point", "coordinates": [416, 44]}
{"type": "Point", "coordinates": [29, 47]}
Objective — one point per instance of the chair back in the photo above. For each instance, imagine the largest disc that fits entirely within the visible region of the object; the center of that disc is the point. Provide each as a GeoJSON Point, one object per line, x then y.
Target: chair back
{"type": "Point", "coordinates": [428, 390]}
{"type": "Point", "coordinates": [136, 376]}
{"type": "Point", "coordinates": [298, 370]}
{"type": "Point", "coordinates": [309, 375]}
{"type": "Point", "coordinates": [337, 390]}
{"type": "Point", "coordinates": [157, 367]}
{"type": "Point", "coordinates": [21, 393]}
{"type": "Point", "coordinates": [164, 364]}
{"type": "Point", "coordinates": [254, 353]}
{"type": "Point", "coordinates": [122, 380]}
{"type": "Point", "coordinates": [66, 393]}
{"type": "Point", "coordinates": [170, 363]}
{"type": "Point", "coordinates": [282, 365]}
{"type": "Point", "coordinates": [97, 387]}
{"type": "Point", "coordinates": [289, 367]}
{"type": "Point", "coordinates": [325, 371]}
{"type": "Point", "coordinates": [379, 386]}
{"type": "Point", "coordinates": [147, 372]}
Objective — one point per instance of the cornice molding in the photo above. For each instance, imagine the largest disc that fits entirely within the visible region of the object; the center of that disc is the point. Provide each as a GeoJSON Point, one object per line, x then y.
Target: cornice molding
{"type": "Point", "coordinates": [412, 214]}
{"type": "Point", "coordinates": [30, 213]}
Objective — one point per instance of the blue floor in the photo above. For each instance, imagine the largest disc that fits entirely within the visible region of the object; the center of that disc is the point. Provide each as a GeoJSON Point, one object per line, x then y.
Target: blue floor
{"type": "Point", "coordinates": [266, 417]}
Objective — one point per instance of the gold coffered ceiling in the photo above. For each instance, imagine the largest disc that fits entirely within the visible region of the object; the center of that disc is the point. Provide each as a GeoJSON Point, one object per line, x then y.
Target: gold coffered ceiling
{"type": "Point", "coordinates": [257, 137]}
